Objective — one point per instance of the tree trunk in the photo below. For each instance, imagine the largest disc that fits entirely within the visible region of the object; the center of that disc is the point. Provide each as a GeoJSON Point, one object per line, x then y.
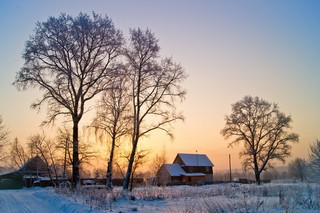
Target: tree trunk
{"type": "Point", "coordinates": [109, 176]}
{"type": "Point", "coordinates": [131, 180]}
{"type": "Point", "coordinates": [256, 169]}
{"type": "Point", "coordinates": [126, 181]}
{"type": "Point", "coordinates": [257, 174]}
{"type": "Point", "coordinates": [109, 169]}
{"type": "Point", "coordinates": [64, 175]}
{"type": "Point", "coordinates": [75, 160]}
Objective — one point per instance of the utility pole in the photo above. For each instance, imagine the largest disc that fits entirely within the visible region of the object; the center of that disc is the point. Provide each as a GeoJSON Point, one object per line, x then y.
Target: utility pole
{"type": "Point", "coordinates": [197, 158]}
{"type": "Point", "coordinates": [230, 167]}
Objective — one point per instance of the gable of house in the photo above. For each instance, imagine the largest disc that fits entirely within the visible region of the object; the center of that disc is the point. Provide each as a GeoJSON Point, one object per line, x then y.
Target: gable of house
{"type": "Point", "coordinates": [34, 166]}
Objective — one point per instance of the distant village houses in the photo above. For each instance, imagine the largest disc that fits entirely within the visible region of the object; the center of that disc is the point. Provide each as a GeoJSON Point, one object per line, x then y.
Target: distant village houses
{"type": "Point", "coordinates": [192, 169]}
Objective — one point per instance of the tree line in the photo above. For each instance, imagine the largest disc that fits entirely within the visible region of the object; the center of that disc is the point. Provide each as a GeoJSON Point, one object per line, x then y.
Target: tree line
{"type": "Point", "coordinates": [56, 153]}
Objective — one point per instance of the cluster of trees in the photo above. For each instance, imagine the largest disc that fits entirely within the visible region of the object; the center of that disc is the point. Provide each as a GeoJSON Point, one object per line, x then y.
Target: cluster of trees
{"type": "Point", "coordinates": [75, 60]}
{"type": "Point", "coordinates": [56, 153]}
{"type": "Point", "coordinates": [307, 170]}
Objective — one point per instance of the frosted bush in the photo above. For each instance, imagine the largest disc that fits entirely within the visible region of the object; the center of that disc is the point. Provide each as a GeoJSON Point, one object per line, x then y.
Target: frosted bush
{"type": "Point", "coordinates": [95, 198]}
{"type": "Point", "coordinates": [153, 193]}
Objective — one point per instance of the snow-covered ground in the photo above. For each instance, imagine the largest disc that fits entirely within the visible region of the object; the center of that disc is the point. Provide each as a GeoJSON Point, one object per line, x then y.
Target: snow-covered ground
{"type": "Point", "coordinates": [274, 197]}
{"type": "Point", "coordinates": [38, 200]}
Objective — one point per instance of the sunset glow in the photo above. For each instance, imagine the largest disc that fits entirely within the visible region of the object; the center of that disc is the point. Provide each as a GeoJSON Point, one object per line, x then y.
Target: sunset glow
{"type": "Point", "coordinates": [229, 49]}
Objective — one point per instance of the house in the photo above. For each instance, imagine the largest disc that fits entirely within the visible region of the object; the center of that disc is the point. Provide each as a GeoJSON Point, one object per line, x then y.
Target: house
{"type": "Point", "coordinates": [186, 169]}
{"type": "Point", "coordinates": [34, 167]}
{"type": "Point", "coordinates": [31, 171]}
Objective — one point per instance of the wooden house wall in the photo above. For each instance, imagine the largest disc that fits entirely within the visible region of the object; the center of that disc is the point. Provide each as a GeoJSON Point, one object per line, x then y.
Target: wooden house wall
{"type": "Point", "coordinates": [163, 176]}
{"type": "Point", "coordinates": [209, 178]}
{"type": "Point", "coordinates": [198, 169]}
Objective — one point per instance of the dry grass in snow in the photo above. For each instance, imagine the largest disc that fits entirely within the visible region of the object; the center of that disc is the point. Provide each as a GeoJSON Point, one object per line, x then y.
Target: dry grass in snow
{"type": "Point", "coordinates": [293, 197]}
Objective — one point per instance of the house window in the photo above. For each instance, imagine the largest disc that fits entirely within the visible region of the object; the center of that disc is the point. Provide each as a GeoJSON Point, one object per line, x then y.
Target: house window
{"type": "Point", "coordinates": [190, 169]}
{"type": "Point", "coordinates": [207, 169]}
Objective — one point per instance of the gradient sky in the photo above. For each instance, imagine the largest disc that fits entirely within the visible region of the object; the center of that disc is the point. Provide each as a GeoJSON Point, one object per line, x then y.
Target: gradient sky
{"type": "Point", "coordinates": [230, 49]}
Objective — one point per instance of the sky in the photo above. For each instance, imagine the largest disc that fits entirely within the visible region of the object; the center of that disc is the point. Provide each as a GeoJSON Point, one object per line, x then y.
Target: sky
{"type": "Point", "coordinates": [229, 49]}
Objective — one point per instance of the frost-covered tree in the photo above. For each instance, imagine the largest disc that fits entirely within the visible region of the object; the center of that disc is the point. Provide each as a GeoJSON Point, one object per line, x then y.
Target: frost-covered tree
{"type": "Point", "coordinates": [3, 140]}
{"type": "Point", "coordinates": [298, 168]}
{"type": "Point", "coordinates": [315, 157]}
{"type": "Point", "coordinates": [18, 155]}
{"type": "Point", "coordinates": [263, 130]}
{"type": "Point", "coordinates": [155, 84]}
{"type": "Point", "coordinates": [158, 160]}
{"type": "Point", "coordinates": [113, 119]}
{"type": "Point", "coordinates": [70, 59]}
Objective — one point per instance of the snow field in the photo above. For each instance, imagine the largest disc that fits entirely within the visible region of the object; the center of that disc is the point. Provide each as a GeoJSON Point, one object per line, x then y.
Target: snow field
{"type": "Point", "coordinates": [38, 200]}
{"type": "Point", "coordinates": [293, 197]}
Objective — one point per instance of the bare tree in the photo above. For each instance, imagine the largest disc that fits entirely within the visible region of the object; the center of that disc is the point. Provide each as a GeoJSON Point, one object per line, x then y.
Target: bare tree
{"type": "Point", "coordinates": [314, 156]}
{"type": "Point", "coordinates": [71, 60]}
{"type": "Point", "coordinates": [3, 140]}
{"type": "Point", "coordinates": [65, 145]}
{"type": "Point", "coordinates": [298, 169]}
{"type": "Point", "coordinates": [155, 86]}
{"type": "Point", "coordinates": [264, 131]}
{"type": "Point", "coordinates": [64, 140]}
{"type": "Point", "coordinates": [112, 119]}
{"type": "Point", "coordinates": [158, 161]}
{"type": "Point", "coordinates": [18, 155]}
{"type": "Point", "coordinates": [46, 149]}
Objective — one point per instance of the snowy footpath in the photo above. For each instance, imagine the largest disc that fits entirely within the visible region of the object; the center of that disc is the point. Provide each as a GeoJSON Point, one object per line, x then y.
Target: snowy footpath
{"type": "Point", "coordinates": [38, 200]}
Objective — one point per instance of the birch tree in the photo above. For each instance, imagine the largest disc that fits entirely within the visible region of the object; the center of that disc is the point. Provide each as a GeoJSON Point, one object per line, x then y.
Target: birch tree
{"type": "Point", "coordinates": [113, 119]}
{"type": "Point", "coordinates": [70, 59]}
{"type": "Point", "coordinates": [263, 130]}
{"type": "Point", "coordinates": [155, 84]}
